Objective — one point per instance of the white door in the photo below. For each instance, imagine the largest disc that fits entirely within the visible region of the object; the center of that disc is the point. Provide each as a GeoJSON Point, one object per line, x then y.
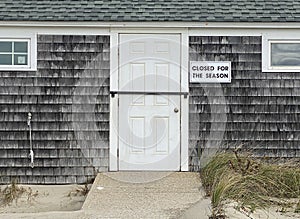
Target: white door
{"type": "Point", "coordinates": [149, 102]}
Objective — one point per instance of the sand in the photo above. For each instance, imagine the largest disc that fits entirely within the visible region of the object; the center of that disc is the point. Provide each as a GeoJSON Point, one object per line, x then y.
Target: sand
{"type": "Point", "coordinates": [55, 201]}
{"type": "Point", "coordinates": [202, 209]}
{"type": "Point", "coordinates": [45, 198]}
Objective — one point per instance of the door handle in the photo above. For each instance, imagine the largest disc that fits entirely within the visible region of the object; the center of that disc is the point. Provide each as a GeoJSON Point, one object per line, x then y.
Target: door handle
{"type": "Point", "coordinates": [176, 110]}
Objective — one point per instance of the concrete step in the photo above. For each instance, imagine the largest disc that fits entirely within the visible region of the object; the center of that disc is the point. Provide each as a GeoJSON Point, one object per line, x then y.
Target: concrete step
{"type": "Point", "coordinates": [143, 194]}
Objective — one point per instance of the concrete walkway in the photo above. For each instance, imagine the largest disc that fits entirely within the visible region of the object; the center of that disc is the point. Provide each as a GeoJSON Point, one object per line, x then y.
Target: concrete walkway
{"type": "Point", "coordinates": [143, 195]}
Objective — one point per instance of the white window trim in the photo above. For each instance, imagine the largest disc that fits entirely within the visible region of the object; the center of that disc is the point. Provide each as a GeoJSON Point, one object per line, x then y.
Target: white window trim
{"type": "Point", "coordinates": [266, 54]}
{"type": "Point", "coordinates": [31, 55]}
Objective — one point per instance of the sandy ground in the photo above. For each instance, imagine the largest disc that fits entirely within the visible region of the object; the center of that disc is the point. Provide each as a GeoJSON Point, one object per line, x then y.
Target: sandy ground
{"type": "Point", "coordinates": [45, 198]}
{"type": "Point", "coordinates": [55, 201]}
{"type": "Point", "coordinates": [202, 209]}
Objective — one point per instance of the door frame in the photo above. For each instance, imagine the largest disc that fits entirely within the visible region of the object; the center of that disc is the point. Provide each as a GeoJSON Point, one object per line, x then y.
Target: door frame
{"type": "Point", "coordinates": [114, 79]}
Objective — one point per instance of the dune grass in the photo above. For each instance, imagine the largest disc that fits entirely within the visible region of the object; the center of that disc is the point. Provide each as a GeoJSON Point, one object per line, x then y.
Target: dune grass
{"type": "Point", "coordinates": [250, 182]}
{"type": "Point", "coordinates": [13, 192]}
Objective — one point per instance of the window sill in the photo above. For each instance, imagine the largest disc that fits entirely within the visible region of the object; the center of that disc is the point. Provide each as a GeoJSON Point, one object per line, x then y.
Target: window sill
{"type": "Point", "coordinates": [17, 69]}
{"type": "Point", "coordinates": [282, 70]}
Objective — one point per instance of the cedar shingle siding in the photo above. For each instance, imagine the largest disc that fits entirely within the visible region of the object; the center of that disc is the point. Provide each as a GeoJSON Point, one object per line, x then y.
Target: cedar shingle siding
{"type": "Point", "coordinates": [262, 109]}
{"type": "Point", "coordinates": [69, 100]}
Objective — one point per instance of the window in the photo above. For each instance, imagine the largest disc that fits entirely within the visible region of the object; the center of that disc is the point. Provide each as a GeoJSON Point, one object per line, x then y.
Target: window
{"type": "Point", "coordinates": [13, 53]}
{"type": "Point", "coordinates": [281, 55]}
{"type": "Point", "coordinates": [17, 54]}
{"type": "Point", "coordinates": [285, 54]}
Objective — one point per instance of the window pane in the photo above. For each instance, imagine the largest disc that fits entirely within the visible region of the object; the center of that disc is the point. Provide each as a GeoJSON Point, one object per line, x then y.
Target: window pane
{"type": "Point", "coordinates": [5, 59]}
{"type": "Point", "coordinates": [20, 47]}
{"type": "Point", "coordinates": [5, 46]}
{"type": "Point", "coordinates": [285, 54]}
{"type": "Point", "coordinates": [20, 59]}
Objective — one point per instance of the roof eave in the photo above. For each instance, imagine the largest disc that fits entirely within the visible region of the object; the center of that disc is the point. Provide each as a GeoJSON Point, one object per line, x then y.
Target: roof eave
{"type": "Point", "coordinates": [160, 24]}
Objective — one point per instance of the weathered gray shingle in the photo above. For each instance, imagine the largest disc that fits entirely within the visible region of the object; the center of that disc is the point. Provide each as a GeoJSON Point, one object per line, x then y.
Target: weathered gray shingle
{"type": "Point", "coordinates": [262, 110]}
{"type": "Point", "coordinates": [69, 100]}
{"type": "Point", "coordinates": [148, 10]}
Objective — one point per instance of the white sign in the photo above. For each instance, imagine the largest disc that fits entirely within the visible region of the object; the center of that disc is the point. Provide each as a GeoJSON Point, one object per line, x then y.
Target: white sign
{"type": "Point", "coordinates": [210, 72]}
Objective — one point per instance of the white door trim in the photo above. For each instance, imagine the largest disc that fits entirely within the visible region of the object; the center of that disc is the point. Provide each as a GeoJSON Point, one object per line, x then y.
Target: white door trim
{"type": "Point", "coordinates": [114, 68]}
{"type": "Point", "coordinates": [184, 122]}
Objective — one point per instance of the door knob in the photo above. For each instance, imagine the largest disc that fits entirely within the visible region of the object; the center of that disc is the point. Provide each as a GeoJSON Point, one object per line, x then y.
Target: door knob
{"type": "Point", "coordinates": [176, 110]}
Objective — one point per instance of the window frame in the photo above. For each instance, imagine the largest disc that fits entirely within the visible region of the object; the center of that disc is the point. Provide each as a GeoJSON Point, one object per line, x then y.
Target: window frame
{"type": "Point", "coordinates": [267, 55]}
{"type": "Point", "coordinates": [31, 54]}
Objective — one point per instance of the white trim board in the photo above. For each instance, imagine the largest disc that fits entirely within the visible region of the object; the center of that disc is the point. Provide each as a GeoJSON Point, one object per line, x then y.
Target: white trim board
{"type": "Point", "coordinates": [59, 30]}
{"type": "Point", "coordinates": [81, 29]}
{"type": "Point", "coordinates": [279, 33]}
{"type": "Point", "coordinates": [184, 123]}
{"type": "Point", "coordinates": [113, 117]}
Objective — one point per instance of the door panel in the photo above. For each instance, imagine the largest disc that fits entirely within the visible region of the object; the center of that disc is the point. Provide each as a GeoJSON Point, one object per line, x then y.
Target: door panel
{"type": "Point", "coordinates": [149, 129]}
